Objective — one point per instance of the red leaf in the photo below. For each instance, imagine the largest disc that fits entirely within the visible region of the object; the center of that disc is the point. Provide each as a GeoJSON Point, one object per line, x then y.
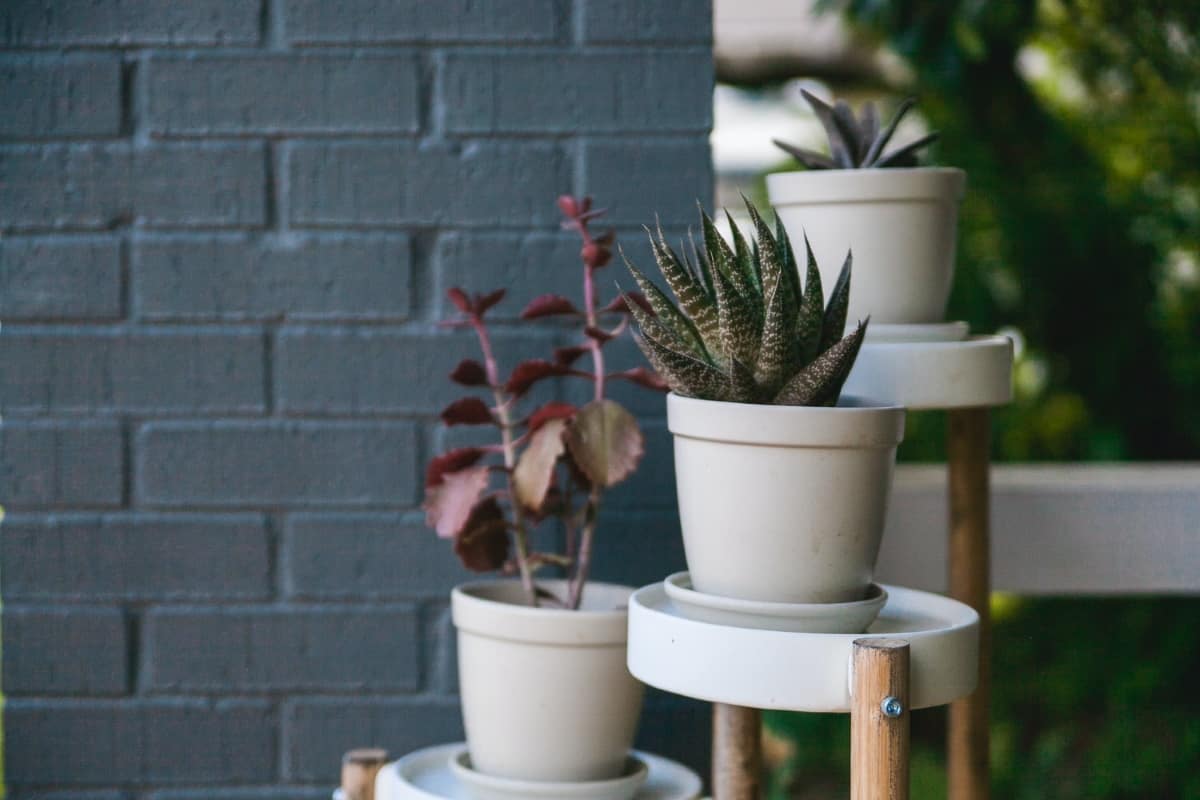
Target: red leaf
{"type": "Point", "coordinates": [555, 409]}
{"type": "Point", "coordinates": [595, 255]}
{"type": "Point", "coordinates": [535, 468]}
{"type": "Point", "coordinates": [618, 303]}
{"type": "Point", "coordinates": [566, 356]}
{"type": "Point", "coordinates": [585, 205]}
{"type": "Point", "coordinates": [467, 411]}
{"type": "Point", "coordinates": [448, 504]}
{"type": "Point", "coordinates": [568, 205]}
{"type": "Point", "coordinates": [469, 372]}
{"type": "Point", "coordinates": [548, 305]}
{"type": "Point", "coordinates": [527, 373]}
{"type": "Point", "coordinates": [642, 377]}
{"type": "Point", "coordinates": [460, 299]}
{"type": "Point", "coordinates": [451, 461]}
{"type": "Point", "coordinates": [605, 442]}
{"type": "Point", "coordinates": [483, 543]}
{"type": "Point", "coordinates": [607, 238]}
{"type": "Point", "coordinates": [598, 334]}
{"type": "Point", "coordinates": [484, 302]}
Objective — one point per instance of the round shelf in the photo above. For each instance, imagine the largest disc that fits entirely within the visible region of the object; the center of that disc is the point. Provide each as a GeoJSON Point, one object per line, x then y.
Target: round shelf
{"type": "Point", "coordinates": [426, 775]}
{"type": "Point", "coordinates": [976, 371]}
{"type": "Point", "coordinates": [799, 671]}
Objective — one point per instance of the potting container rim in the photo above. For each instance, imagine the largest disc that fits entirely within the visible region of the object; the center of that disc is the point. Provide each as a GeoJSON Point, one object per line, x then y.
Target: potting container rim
{"type": "Point", "coordinates": [484, 608]}
{"type": "Point", "coordinates": [874, 184]}
{"type": "Point", "coordinates": [855, 423]}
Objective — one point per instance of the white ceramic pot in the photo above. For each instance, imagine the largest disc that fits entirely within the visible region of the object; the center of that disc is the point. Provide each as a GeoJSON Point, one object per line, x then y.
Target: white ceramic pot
{"type": "Point", "coordinates": [783, 504]}
{"type": "Point", "coordinates": [901, 225]}
{"type": "Point", "coordinates": [546, 695]}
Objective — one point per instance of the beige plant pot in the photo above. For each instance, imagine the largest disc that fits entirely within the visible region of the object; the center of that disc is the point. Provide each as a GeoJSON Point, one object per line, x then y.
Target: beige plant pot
{"type": "Point", "coordinates": [900, 223]}
{"type": "Point", "coordinates": [783, 504]}
{"type": "Point", "coordinates": [546, 695]}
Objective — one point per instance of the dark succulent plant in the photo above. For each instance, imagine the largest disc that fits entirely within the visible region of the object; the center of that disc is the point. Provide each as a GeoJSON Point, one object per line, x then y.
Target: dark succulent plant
{"type": "Point", "coordinates": [856, 143]}
{"type": "Point", "coordinates": [745, 330]}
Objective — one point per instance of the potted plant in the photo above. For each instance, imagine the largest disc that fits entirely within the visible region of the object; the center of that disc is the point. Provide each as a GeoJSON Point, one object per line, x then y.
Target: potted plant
{"type": "Point", "coordinates": [783, 484]}
{"type": "Point", "coordinates": [545, 691]}
{"type": "Point", "coordinates": [900, 219]}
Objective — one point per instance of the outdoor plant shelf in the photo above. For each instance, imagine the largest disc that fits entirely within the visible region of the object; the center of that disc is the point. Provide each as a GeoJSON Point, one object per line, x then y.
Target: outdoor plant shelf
{"type": "Point", "coordinates": [965, 377]}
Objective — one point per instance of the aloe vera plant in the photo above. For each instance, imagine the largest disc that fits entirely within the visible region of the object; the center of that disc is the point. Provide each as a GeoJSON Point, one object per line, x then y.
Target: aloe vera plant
{"type": "Point", "coordinates": [745, 328]}
{"type": "Point", "coordinates": [856, 142]}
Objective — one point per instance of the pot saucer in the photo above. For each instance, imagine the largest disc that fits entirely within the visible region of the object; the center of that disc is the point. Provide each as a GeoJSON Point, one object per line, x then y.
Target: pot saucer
{"type": "Point", "coordinates": [923, 332]}
{"type": "Point", "coordinates": [426, 775]}
{"type": "Point", "coordinates": [851, 617]}
{"type": "Point", "coordinates": [489, 787]}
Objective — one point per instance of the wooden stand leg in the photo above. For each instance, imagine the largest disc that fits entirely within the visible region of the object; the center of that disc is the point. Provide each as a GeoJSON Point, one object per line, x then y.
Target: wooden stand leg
{"type": "Point", "coordinates": [879, 721]}
{"type": "Point", "coordinates": [967, 453]}
{"type": "Point", "coordinates": [359, 768]}
{"type": "Point", "coordinates": [737, 752]}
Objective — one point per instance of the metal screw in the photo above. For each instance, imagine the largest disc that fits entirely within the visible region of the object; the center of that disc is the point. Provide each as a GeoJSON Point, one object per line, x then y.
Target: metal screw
{"type": "Point", "coordinates": [891, 707]}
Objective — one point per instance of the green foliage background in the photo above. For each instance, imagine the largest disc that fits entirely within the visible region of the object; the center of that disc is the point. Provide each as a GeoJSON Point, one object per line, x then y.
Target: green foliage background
{"type": "Point", "coordinates": [1078, 122]}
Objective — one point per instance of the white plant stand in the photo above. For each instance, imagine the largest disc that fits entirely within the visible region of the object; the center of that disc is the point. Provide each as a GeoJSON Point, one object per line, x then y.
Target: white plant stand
{"type": "Point", "coordinates": [426, 775]}
{"type": "Point", "coordinates": [964, 376]}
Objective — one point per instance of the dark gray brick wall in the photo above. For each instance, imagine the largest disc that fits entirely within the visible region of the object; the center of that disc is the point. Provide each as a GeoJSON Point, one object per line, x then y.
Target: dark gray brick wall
{"type": "Point", "coordinates": [226, 230]}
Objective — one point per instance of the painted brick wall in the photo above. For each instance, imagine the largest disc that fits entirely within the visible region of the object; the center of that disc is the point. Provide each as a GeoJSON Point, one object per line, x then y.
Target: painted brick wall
{"type": "Point", "coordinates": [227, 229]}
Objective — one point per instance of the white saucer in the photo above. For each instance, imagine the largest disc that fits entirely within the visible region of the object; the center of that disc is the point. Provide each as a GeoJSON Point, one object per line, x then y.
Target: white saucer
{"type": "Point", "coordinates": [851, 617]}
{"type": "Point", "coordinates": [426, 775]}
{"type": "Point", "coordinates": [487, 787]}
{"type": "Point", "coordinates": [923, 332]}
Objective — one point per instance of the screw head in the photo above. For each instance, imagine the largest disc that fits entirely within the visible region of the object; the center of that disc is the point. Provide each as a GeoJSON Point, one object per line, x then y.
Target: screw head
{"type": "Point", "coordinates": [891, 707]}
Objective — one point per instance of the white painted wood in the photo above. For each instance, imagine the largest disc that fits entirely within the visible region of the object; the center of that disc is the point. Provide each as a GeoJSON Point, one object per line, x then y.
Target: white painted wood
{"type": "Point", "coordinates": [1058, 529]}
{"type": "Point", "coordinates": [800, 671]}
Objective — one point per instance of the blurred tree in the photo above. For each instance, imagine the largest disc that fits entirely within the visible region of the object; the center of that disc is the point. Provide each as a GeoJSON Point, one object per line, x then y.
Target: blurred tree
{"type": "Point", "coordinates": [1078, 122]}
{"type": "Point", "coordinates": [1079, 125]}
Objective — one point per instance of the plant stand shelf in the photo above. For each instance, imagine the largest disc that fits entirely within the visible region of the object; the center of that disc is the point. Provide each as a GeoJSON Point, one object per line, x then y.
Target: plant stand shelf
{"type": "Point", "coordinates": [425, 775]}
{"type": "Point", "coordinates": [970, 373]}
{"type": "Point", "coordinates": [766, 669]}
{"type": "Point", "coordinates": [965, 377]}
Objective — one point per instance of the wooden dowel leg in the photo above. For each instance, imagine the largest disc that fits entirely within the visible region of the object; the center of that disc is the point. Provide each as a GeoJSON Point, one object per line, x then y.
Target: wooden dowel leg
{"type": "Point", "coordinates": [737, 752]}
{"type": "Point", "coordinates": [967, 454]}
{"type": "Point", "coordinates": [879, 721]}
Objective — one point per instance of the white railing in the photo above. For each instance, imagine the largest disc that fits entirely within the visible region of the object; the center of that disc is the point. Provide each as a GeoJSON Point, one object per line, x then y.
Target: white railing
{"type": "Point", "coordinates": [1059, 529]}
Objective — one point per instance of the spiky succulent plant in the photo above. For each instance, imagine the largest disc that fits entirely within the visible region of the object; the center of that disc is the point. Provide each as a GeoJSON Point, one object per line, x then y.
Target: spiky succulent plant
{"type": "Point", "coordinates": [856, 143]}
{"type": "Point", "coordinates": [745, 329]}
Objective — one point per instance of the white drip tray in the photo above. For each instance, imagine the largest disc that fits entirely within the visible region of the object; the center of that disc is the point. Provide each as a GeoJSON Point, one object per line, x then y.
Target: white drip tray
{"type": "Point", "coordinates": [800, 671]}
{"type": "Point", "coordinates": [976, 371]}
{"type": "Point", "coordinates": [426, 775]}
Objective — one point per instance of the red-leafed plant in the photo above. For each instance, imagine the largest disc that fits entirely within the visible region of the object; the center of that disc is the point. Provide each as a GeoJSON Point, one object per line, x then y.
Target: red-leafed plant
{"type": "Point", "coordinates": [552, 463]}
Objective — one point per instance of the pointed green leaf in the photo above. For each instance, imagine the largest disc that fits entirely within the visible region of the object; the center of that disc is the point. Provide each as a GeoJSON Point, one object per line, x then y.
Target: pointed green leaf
{"type": "Point", "coordinates": [907, 156]}
{"type": "Point", "coordinates": [820, 383]}
{"type": "Point", "coordinates": [869, 122]}
{"type": "Point", "coordinates": [742, 386]}
{"type": "Point", "coordinates": [811, 159]}
{"type": "Point", "coordinates": [787, 256]}
{"type": "Point", "coordinates": [843, 117]}
{"type": "Point", "coordinates": [833, 326]}
{"type": "Point", "coordinates": [698, 264]}
{"type": "Point", "coordinates": [670, 316]}
{"type": "Point", "coordinates": [768, 253]}
{"type": "Point", "coordinates": [779, 349]}
{"type": "Point", "coordinates": [746, 257]}
{"type": "Point", "coordinates": [651, 326]}
{"type": "Point", "coordinates": [722, 258]}
{"type": "Point", "coordinates": [740, 326]}
{"type": "Point", "coordinates": [841, 149]}
{"type": "Point", "coordinates": [812, 310]}
{"type": "Point", "coordinates": [685, 374]}
{"type": "Point", "coordinates": [693, 299]}
{"type": "Point", "coordinates": [876, 149]}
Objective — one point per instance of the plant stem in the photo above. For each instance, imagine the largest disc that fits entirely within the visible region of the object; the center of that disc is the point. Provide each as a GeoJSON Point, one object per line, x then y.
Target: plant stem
{"type": "Point", "coordinates": [504, 415]}
{"type": "Point", "coordinates": [584, 561]}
